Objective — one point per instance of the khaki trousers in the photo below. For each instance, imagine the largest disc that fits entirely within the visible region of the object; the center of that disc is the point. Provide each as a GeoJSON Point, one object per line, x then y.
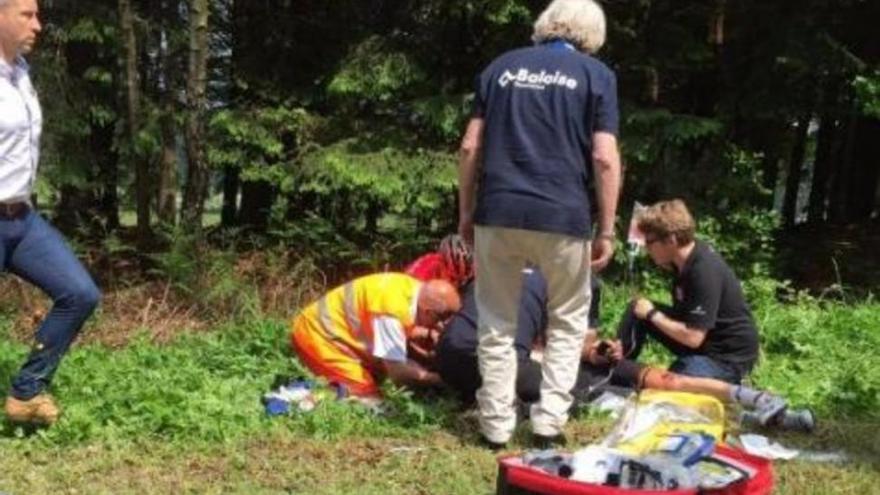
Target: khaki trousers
{"type": "Point", "coordinates": [564, 261]}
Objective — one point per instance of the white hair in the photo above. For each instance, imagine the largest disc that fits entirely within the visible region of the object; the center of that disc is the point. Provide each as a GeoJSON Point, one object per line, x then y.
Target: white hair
{"type": "Point", "coordinates": [581, 22]}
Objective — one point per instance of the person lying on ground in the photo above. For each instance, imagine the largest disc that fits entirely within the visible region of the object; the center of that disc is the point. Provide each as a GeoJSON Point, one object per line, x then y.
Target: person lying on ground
{"type": "Point", "coordinates": [356, 334]}
{"type": "Point", "coordinates": [455, 356]}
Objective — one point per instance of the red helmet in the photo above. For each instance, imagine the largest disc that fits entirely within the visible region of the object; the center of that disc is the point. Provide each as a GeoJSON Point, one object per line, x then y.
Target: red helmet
{"type": "Point", "coordinates": [458, 258]}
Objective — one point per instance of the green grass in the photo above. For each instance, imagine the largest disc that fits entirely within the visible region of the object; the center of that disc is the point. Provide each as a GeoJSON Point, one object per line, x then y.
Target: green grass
{"type": "Point", "coordinates": [185, 417]}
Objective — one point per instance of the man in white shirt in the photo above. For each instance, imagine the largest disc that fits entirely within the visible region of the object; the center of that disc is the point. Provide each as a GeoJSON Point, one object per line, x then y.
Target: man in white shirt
{"type": "Point", "coordinates": [29, 247]}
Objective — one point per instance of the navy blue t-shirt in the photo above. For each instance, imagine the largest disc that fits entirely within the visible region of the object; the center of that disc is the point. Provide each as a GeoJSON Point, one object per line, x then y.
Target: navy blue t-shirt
{"type": "Point", "coordinates": [541, 106]}
{"type": "Point", "coordinates": [460, 335]}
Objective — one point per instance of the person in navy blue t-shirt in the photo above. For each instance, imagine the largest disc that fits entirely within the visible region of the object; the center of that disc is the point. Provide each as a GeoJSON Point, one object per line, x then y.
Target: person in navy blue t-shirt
{"type": "Point", "coordinates": [545, 118]}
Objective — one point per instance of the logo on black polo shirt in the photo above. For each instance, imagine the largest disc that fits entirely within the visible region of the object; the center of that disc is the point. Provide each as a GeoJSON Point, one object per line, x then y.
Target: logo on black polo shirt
{"type": "Point", "coordinates": [699, 311]}
{"type": "Point", "coordinates": [536, 80]}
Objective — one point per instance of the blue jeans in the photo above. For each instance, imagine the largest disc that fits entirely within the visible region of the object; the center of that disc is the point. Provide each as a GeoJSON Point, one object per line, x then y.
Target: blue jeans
{"type": "Point", "coordinates": [633, 333]}
{"type": "Point", "coordinates": [700, 365]}
{"type": "Point", "coordinates": [36, 252]}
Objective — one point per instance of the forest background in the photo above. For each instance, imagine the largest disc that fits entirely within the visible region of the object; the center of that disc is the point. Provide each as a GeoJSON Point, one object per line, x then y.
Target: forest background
{"type": "Point", "coordinates": [217, 164]}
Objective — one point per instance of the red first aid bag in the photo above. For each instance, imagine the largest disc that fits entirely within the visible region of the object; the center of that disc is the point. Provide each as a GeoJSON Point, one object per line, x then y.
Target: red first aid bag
{"type": "Point", "coordinates": [516, 478]}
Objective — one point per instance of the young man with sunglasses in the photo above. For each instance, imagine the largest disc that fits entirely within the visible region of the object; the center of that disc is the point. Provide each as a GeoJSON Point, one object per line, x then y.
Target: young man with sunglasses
{"type": "Point", "coordinates": [709, 326]}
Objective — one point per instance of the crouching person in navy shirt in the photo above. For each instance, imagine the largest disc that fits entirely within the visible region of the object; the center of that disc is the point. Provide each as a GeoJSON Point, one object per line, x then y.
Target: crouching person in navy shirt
{"type": "Point", "coordinates": [29, 247]}
{"type": "Point", "coordinates": [545, 118]}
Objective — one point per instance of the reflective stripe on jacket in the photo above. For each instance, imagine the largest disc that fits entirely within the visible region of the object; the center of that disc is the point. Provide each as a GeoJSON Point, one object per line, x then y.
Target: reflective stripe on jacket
{"type": "Point", "coordinates": [342, 318]}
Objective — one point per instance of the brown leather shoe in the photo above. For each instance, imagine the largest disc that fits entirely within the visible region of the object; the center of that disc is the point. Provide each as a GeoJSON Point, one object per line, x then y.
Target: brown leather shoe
{"type": "Point", "coordinates": [38, 410]}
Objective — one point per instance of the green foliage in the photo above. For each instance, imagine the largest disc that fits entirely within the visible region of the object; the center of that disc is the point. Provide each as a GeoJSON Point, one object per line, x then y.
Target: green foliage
{"type": "Point", "coordinates": [648, 132]}
{"type": "Point", "coordinates": [375, 72]}
{"type": "Point", "coordinates": [206, 277]}
{"type": "Point", "coordinates": [88, 30]}
{"type": "Point", "coordinates": [745, 238]}
{"type": "Point", "coordinates": [867, 88]}
{"type": "Point", "coordinates": [412, 411]}
{"type": "Point", "coordinates": [508, 12]}
{"type": "Point", "coordinates": [179, 264]}
{"type": "Point", "coordinates": [263, 141]}
{"type": "Point", "coordinates": [669, 155]}
{"type": "Point", "coordinates": [443, 115]}
{"type": "Point", "coordinates": [822, 353]}
{"type": "Point", "coordinates": [203, 389]}
{"type": "Point", "coordinates": [79, 101]}
{"type": "Point", "coordinates": [358, 179]}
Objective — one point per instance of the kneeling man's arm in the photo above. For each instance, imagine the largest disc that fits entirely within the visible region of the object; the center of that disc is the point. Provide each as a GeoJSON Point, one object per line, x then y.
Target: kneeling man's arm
{"type": "Point", "coordinates": [691, 337]}
{"type": "Point", "coordinates": [678, 331]}
{"type": "Point", "coordinates": [410, 374]}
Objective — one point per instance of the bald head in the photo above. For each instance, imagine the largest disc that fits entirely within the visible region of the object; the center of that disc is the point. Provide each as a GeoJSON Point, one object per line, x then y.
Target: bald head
{"type": "Point", "coordinates": [438, 300]}
{"type": "Point", "coordinates": [439, 295]}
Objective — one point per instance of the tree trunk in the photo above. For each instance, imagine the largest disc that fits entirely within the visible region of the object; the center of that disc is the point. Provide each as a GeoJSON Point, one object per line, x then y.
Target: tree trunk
{"type": "Point", "coordinates": [167, 187]}
{"type": "Point", "coordinates": [75, 212]}
{"type": "Point", "coordinates": [840, 179]}
{"type": "Point", "coordinates": [133, 101]}
{"type": "Point", "coordinates": [795, 169]}
{"type": "Point", "coordinates": [101, 141]}
{"type": "Point", "coordinates": [865, 171]}
{"type": "Point", "coordinates": [231, 184]}
{"type": "Point", "coordinates": [716, 23]}
{"type": "Point", "coordinates": [196, 189]}
{"type": "Point", "coordinates": [256, 204]}
{"type": "Point", "coordinates": [371, 218]}
{"type": "Point", "coordinates": [166, 190]}
{"type": "Point", "coordinates": [822, 169]}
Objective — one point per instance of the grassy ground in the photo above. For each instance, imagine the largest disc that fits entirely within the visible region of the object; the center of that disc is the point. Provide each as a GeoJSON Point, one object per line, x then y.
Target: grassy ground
{"type": "Point", "coordinates": [281, 460]}
{"type": "Point", "coordinates": [185, 417]}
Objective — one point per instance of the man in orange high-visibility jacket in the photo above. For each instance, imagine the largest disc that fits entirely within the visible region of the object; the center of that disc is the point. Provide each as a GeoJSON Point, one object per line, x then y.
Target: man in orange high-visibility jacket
{"type": "Point", "coordinates": [357, 333]}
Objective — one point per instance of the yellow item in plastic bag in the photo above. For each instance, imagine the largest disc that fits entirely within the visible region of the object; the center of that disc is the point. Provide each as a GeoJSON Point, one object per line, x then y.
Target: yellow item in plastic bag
{"type": "Point", "coordinates": [653, 415]}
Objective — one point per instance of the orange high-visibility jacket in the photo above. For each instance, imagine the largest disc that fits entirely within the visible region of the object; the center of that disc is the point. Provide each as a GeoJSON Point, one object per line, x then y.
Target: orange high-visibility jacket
{"type": "Point", "coordinates": [334, 335]}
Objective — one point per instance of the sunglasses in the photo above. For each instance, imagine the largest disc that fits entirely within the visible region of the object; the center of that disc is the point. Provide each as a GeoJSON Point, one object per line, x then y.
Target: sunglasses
{"type": "Point", "coordinates": [652, 240]}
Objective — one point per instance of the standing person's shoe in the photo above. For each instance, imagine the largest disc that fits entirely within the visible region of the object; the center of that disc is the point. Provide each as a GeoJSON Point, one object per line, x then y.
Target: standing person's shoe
{"type": "Point", "coordinates": [489, 444]}
{"type": "Point", "coordinates": [544, 442]}
{"type": "Point", "coordinates": [40, 410]}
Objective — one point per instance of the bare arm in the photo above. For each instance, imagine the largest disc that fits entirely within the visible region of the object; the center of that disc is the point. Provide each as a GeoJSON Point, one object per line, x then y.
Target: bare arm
{"type": "Point", "coordinates": [607, 171]}
{"type": "Point", "coordinates": [468, 163]}
{"type": "Point", "coordinates": [590, 339]}
{"type": "Point", "coordinates": [678, 331]}
{"type": "Point", "coordinates": [410, 374]}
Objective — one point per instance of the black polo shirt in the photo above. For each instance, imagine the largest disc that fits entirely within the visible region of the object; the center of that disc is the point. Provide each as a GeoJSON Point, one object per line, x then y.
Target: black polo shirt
{"type": "Point", "coordinates": [706, 294]}
{"type": "Point", "coordinates": [541, 106]}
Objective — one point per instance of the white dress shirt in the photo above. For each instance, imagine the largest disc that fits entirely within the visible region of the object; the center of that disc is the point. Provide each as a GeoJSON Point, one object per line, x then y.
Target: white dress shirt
{"type": "Point", "coordinates": [21, 122]}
